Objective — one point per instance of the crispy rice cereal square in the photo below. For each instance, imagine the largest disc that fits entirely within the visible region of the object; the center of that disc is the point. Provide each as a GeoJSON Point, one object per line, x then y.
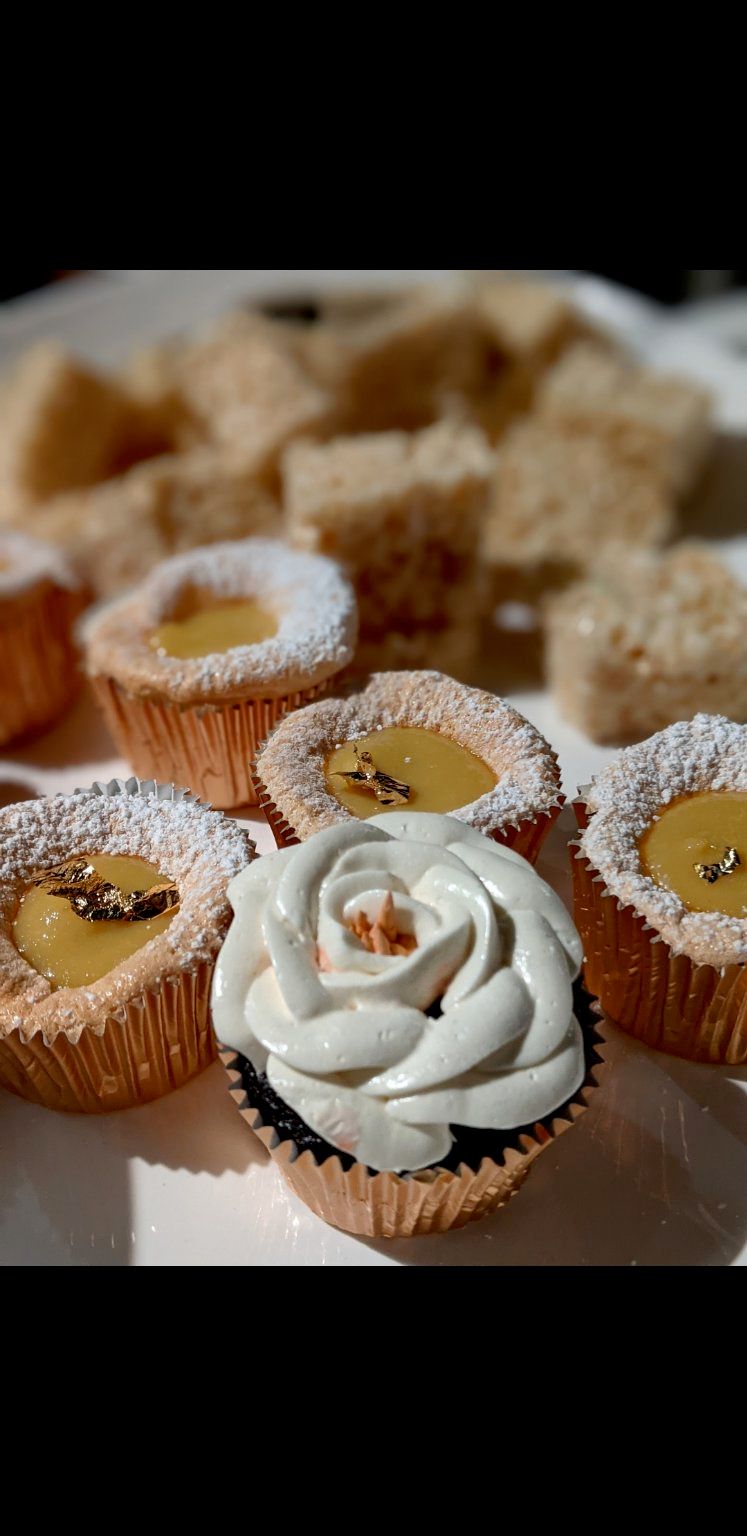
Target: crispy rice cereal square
{"type": "Point", "coordinates": [63, 426]}
{"type": "Point", "coordinates": [558, 496]}
{"type": "Point", "coordinates": [115, 533]}
{"type": "Point", "coordinates": [666, 422]}
{"type": "Point", "coordinates": [402, 513]}
{"type": "Point", "coordinates": [245, 389]}
{"type": "Point", "coordinates": [647, 641]}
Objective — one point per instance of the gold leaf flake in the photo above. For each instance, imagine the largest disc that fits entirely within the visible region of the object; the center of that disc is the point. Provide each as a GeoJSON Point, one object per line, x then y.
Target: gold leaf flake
{"type": "Point", "coordinates": [388, 791]}
{"type": "Point", "coordinates": [712, 873]}
{"type": "Point", "coordinates": [97, 901]}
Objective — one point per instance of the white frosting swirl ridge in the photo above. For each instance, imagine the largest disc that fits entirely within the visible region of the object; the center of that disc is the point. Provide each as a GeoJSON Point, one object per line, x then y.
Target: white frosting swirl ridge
{"type": "Point", "coordinates": [352, 1039]}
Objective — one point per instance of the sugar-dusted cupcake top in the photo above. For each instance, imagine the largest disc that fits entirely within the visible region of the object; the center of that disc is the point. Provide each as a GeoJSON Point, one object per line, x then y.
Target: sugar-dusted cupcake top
{"type": "Point", "coordinates": [311, 603]}
{"type": "Point", "coordinates": [397, 978]}
{"type": "Point", "coordinates": [25, 563]}
{"type": "Point", "coordinates": [291, 766]}
{"type": "Point", "coordinates": [707, 755]}
{"type": "Point", "coordinates": [197, 849]}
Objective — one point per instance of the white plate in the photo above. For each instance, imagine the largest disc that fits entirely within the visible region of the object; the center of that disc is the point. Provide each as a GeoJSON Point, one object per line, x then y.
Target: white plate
{"type": "Point", "coordinates": [656, 1174]}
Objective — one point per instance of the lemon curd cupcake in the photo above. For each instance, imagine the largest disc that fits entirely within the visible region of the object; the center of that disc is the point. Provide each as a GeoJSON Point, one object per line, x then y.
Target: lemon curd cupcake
{"type": "Point", "coordinates": [195, 666]}
{"type": "Point", "coordinates": [396, 1007]}
{"type": "Point", "coordinates": [417, 740]}
{"type": "Point", "coordinates": [660, 875]}
{"type": "Point", "coordinates": [40, 601]}
{"type": "Point", "coordinates": [113, 907]}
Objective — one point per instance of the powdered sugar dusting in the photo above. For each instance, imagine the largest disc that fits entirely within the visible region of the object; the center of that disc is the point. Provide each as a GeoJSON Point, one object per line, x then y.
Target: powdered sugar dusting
{"type": "Point", "coordinates": [26, 562]}
{"type": "Point", "coordinates": [312, 600]}
{"type": "Point", "coordinates": [291, 765]}
{"type": "Point", "coordinates": [199, 849]}
{"type": "Point", "coordinates": [706, 754]}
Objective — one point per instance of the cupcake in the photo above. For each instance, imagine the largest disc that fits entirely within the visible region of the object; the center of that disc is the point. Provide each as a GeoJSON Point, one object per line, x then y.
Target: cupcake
{"type": "Point", "coordinates": [113, 907]}
{"type": "Point", "coordinates": [395, 1004]}
{"type": "Point", "coordinates": [40, 601]}
{"type": "Point", "coordinates": [660, 877]}
{"type": "Point", "coordinates": [194, 667]}
{"type": "Point", "coordinates": [416, 739]}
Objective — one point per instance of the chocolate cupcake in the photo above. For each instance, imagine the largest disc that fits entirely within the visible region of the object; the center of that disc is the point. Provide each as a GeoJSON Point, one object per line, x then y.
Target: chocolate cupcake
{"type": "Point", "coordinates": [395, 1003]}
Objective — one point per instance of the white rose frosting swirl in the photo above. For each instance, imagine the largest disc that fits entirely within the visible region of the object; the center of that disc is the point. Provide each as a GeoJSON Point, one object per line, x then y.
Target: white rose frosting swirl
{"type": "Point", "coordinates": [350, 1044]}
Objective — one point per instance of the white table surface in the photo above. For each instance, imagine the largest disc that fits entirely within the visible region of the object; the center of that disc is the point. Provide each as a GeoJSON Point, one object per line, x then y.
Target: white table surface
{"type": "Point", "coordinates": [656, 1173]}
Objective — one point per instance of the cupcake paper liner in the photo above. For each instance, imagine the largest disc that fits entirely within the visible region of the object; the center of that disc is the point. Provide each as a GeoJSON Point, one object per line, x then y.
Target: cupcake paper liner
{"type": "Point", "coordinates": [387, 1205]}
{"type": "Point", "coordinates": [156, 1044]}
{"type": "Point", "coordinates": [141, 1052]}
{"type": "Point", "coordinates": [36, 688]}
{"type": "Point", "coordinates": [529, 837]}
{"type": "Point", "coordinates": [665, 1000]}
{"type": "Point", "coordinates": [209, 748]}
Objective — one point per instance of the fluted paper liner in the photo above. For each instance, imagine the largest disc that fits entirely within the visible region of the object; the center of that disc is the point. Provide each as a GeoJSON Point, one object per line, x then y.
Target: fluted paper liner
{"type": "Point", "coordinates": [665, 1000]}
{"type": "Point", "coordinates": [37, 629]}
{"type": "Point", "coordinates": [141, 1052]}
{"type": "Point", "coordinates": [527, 838]}
{"type": "Point", "coordinates": [157, 1044]}
{"type": "Point", "coordinates": [209, 747]}
{"type": "Point", "coordinates": [388, 1205]}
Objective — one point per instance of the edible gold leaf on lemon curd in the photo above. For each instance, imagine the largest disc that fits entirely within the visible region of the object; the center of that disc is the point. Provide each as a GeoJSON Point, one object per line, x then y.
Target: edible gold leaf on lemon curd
{"type": "Point", "coordinates": [80, 919]}
{"type": "Point", "coordinates": [366, 775]}
{"type": "Point", "coordinates": [712, 873]}
{"type": "Point", "coordinates": [406, 765]}
{"type": "Point", "coordinates": [97, 900]}
{"type": "Point", "coordinates": [697, 848]}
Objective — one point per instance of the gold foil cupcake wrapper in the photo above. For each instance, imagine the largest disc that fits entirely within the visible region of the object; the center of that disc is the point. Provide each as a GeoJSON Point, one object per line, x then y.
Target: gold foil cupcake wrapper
{"type": "Point", "coordinates": [210, 748]}
{"type": "Point", "coordinates": [147, 789]}
{"type": "Point", "coordinates": [388, 1205]}
{"type": "Point", "coordinates": [282, 831]}
{"type": "Point", "coordinates": [529, 837]}
{"type": "Point", "coordinates": [36, 630]}
{"type": "Point", "coordinates": [156, 1043]}
{"type": "Point", "coordinates": [665, 1000]}
{"type": "Point", "coordinates": [581, 809]}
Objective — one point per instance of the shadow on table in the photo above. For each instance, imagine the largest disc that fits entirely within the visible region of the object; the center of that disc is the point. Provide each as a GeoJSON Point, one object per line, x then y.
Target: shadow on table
{"type": "Point", "coordinates": [511, 660]}
{"type": "Point", "coordinates": [646, 1179]}
{"type": "Point", "coordinates": [14, 792]}
{"type": "Point", "coordinates": [81, 737]}
{"type": "Point", "coordinates": [64, 1190]}
{"type": "Point", "coordinates": [719, 510]}
{"type": "Point", "coordinates": [198, 1130]}
{"type": "Point", "coordinates": [65, 1181]}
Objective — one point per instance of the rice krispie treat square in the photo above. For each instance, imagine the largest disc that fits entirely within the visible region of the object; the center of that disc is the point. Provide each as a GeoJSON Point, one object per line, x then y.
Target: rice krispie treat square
{"type": "Point", "coordinates": [151, 377]}
{"type": "Point", "coordinates": [557, 498]}
{"type": "Point", "coordinates": [115, 533]}
{"type": "Point", "coordinates": [665, 422]}
{"type": "Point", "coordinates": [62, 426]}
{"type": "Point", "coordinates": [524, 328]}
{"type": "Point", "coordinates": [397, 365]}
{"type": "Point", "coordinates": [245, 389]}
{"type": "Point", "coordinates": [647, 641]}
{"type": "Point", "coordinates": [530, 322]}
{"type": "Point", "coordinates": [403, 515]}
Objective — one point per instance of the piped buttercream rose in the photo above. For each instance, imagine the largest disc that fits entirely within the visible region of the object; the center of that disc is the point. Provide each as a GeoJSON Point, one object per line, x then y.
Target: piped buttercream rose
{"type": "Point", "coordinates": [399, 977]}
